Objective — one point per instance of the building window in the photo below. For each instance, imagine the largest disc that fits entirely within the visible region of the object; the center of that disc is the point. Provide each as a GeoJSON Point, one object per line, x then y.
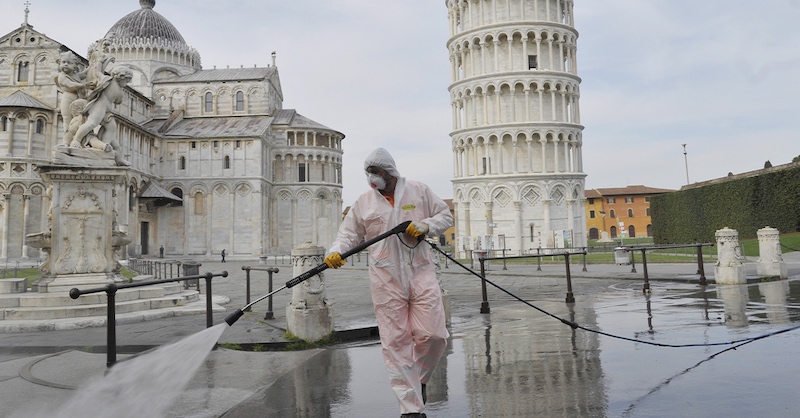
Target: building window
{"type": "Point", "coordinates": [39, 126]}
{"type": "Point", "coordinates": [591, 200]}
{"type": "Point", "coordinates": [227, 163]}
{"type": "Point", "coordinates": [647, 199]}
{"type": "Point", "coordinates": [612, 214]}
{"type": "Point", "coordinates": [177, 192]}
{"type": "Point", "coordinates": [532, 62]}
{"type": "Point", "coordinates": [22, 71]}
{"type": "Point", "coordinates": [302, 172]}
{"type": "Point", "coordinates": [209, 102]}
{"type": "Point", "coordinates": [133, 105]}
{"type": "Point", "coordinates": [194, 144]}
{"type": "Point", "coordinates": [611, 200]}
{"type": "Point", "coordinates": [487, 165]}
{"type": "Point", "coordinates": [630, 213]}
{"type": "Point", "coordinates": [238, 143]}
{"type": "Point", "coordinates": [239, 101]}
{"type": "Point", "coordinates": [183, 163]}
{"type": "Point", "coordinates": [628, 200]}
{"type": "Point", "coordinates": [591, 214]}
{"type": "Point", "coordinates": [4, 123]}
{"type": "Point", "coordinates": [613, 232]}
{"type": "Point", "coordinates": [531, 233]}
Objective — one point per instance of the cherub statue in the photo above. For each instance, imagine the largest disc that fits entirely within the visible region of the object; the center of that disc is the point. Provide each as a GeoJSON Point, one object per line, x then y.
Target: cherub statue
{"type": "Point", "coordinates": [72, 82]}
{"type": "Point", "coordinates": [98, 111]}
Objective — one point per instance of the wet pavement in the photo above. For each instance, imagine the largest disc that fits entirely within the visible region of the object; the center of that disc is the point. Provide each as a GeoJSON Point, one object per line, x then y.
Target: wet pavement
{"type": "Point", "coordinates": [512, 362]}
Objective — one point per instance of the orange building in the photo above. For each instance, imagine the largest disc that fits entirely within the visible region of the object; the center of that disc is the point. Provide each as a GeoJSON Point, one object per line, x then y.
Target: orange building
{"type": "Point", "coordinates": [622, 211]}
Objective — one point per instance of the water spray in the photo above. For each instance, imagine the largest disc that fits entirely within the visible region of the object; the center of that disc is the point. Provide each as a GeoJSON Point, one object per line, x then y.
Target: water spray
{"type": "Point", "coordinates": [232, 318]}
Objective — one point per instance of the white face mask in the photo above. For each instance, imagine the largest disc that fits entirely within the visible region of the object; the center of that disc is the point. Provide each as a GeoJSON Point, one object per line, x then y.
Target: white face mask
{"type": "Point", "coordinates": [376, 182]}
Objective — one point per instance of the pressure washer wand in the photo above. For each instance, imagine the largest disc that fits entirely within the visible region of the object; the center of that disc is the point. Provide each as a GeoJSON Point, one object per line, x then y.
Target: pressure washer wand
{"type": "Point", "coordinates": [232, 318]}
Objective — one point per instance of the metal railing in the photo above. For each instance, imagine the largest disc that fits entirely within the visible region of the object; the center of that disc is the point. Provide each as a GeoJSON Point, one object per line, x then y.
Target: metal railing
{"type": "Point", "coordinates": [111, 290]}
{"type": "Point", "coordinates": [570, 296]}
{"type": "Point", "coordinates": [269, 270]}
{"type": "Point", "coordinates": [645, 249]}
{"type": "Point", "coordinates": [159, 269]}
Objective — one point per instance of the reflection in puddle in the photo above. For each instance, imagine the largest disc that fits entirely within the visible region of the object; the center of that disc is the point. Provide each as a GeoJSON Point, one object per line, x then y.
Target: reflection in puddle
{"type": "Point", "coordinates": [516, 362]}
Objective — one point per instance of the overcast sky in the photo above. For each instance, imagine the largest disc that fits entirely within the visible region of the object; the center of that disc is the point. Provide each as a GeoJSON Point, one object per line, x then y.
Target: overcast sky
{"type": "Point", "coordinates": [720, 76]}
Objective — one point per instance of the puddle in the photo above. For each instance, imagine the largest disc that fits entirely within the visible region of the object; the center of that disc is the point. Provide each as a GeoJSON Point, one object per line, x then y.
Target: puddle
{"type": "Point", "coordinates": [517, 362]}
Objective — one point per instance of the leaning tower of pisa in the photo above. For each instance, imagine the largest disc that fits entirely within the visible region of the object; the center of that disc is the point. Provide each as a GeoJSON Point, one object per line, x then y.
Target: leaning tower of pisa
{"type": "Point", "coordinates": [518, 181]}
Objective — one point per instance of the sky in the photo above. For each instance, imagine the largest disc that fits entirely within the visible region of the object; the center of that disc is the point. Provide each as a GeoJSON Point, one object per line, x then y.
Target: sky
{"type": "Point", "coordinates": [720, 76]}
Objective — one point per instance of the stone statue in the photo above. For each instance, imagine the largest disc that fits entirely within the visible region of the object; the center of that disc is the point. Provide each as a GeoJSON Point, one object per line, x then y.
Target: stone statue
{"type": "Point", "coordinates": [97, 113]}
{"type": "Point", "coordinates": [71, 80]}
{"type": "Point", "coordinates": [100, 62]}
{"type": "Point", "coordinates": [88, 99]}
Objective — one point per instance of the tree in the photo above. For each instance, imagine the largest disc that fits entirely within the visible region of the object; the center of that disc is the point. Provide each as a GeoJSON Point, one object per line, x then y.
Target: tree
{"type": "Point", "coordinates": [767, 164]}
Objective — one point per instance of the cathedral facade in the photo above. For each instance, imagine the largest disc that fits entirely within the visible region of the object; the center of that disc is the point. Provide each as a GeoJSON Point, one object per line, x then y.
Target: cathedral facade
{"type": "Point", "coordinates": [518, 181]}
{"type": "Point", "coordinates": [213, 159]}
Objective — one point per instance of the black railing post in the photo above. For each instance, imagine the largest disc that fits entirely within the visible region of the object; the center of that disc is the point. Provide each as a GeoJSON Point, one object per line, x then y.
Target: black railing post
{"type": "Point", "coordinates": [209, 317]}
{"type": "Point", "coordinates": [646, 287]}
{"type": "Point", "coordinates": [485, 303]}
{"type": "Point", "coordinates": [633, 261]}
{"type": "Point", "coordinates": [700, 268]}
{"type": "Point", "coordinates": [538, 259]}
{"type": "Point", "coordinates": [269, 314]}
{"type": "Point", "coordinates": [504, 259]}
{"type": "Point", "coordinates": [111, 325]}
{"type": "Point", "coordinates": [585, 251]}
{"type": "Point", "coordinates": [247, 287]}
{"type": "Point", "coordinates": [570, 296]}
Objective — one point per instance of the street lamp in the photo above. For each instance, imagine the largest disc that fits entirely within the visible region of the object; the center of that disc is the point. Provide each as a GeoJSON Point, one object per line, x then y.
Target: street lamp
{"type": "Point", "coordinates": [686, 162]}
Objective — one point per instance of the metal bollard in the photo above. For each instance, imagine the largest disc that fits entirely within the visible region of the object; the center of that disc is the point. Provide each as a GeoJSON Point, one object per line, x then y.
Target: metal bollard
{"type": "Point", "coordinates": [538, 260]}
{"type": "Point", "coordinates": [269, 314]}
{"type": "Point", "coordinates": [485, 302]}
{"type": "Point", "coordinates": [585, 251]}
{"type": "Point", "coordinates": [247, 286]}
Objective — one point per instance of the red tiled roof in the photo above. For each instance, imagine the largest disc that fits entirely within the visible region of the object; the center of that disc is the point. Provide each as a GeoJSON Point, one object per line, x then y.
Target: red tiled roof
{"type": "Point", "coordinates": [628, 190]}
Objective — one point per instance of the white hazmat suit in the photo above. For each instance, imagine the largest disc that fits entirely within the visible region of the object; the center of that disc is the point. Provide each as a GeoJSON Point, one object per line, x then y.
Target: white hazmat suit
{"type": "Point", "coordinates": [405, 293]}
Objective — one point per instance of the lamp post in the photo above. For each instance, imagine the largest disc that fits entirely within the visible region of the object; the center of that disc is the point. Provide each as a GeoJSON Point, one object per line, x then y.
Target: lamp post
{"type": "Point", "coordinates": [686, 163]}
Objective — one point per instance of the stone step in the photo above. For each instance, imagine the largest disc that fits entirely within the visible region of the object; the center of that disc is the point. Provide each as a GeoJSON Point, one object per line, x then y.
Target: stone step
{"type": "Point", "coordinates": [60, 299]}
{"type": "Point", "coordinates": [99, 309]}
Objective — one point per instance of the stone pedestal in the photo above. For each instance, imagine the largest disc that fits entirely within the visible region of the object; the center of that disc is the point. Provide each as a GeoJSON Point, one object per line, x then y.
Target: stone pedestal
{"type": "Point", "coordinates": [13, 285]}
{"type": "Point", "coordinates": [770, 261]}
{"type": "Point", "coordinates": [82, 239]}
{"type": "Point", "coordinates": [729, 268]}
{"type": "Point", "coordinates": [308, 315]}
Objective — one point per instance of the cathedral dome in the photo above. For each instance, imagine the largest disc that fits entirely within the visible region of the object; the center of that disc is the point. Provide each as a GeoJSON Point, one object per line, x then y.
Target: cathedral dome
{"type": "Point", "coordinates": [145, 23]}
{"type": "Point", "coordinates": [145, 35]}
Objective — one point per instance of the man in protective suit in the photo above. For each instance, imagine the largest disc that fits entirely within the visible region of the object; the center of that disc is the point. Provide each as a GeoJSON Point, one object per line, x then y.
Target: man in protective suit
{"type": "Point", "coordinates": [405, 293]}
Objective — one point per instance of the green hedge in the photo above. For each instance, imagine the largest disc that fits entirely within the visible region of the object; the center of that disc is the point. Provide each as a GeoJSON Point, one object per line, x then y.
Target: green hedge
{"type": "Point", "coordinates": [746, 205]}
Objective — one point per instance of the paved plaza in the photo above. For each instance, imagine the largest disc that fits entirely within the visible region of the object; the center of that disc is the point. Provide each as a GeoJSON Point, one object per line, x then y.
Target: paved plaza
{"type": "Point", "coordinates": [514, 361]}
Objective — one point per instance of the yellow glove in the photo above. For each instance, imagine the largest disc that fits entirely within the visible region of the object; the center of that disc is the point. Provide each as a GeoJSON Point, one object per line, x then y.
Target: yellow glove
{"type": "Point", "coordinates": [417, 229]}
{"type": "Point", "coordinates": [334, 260]}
